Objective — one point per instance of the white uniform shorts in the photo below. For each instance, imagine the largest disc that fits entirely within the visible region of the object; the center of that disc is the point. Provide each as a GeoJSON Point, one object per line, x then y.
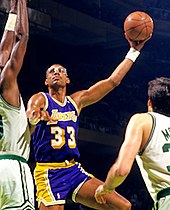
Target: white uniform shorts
{"type": "Point", "coordinates": [16, 184]}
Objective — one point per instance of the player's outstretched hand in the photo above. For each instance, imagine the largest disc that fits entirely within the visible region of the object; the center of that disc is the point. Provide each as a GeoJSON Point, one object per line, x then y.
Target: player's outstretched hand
{"type": "Point", "coordinates": [137, 44]}
{"type": "Point", "coordinates": [36, 115]}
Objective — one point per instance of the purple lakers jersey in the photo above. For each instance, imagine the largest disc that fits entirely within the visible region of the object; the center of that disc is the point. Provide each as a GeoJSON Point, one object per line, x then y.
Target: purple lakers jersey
{"type": "Point", "coordinates": [56, 141]}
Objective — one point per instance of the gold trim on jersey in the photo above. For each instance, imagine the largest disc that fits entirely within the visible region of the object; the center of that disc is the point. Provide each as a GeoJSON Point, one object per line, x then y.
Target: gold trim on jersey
{"type": "Point", "coordinates": [46, 101]}
{"type": "Point", "coordinates": [44, 193]}
{"type": "Point", "coordinates": [73, 102]}
{"type": "Point", "coordinates": [59, 103]}
{"type": "Point", "coordinates": [77, 189]}
{"type": "Point", "coordinates": [60, 202]}
{"type": "Point", "coordinates": [65, 164]}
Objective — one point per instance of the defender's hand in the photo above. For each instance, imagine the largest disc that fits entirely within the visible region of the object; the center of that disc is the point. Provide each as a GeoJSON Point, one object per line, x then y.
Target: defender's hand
{"type": "Point", "coordinates": [100, 194]}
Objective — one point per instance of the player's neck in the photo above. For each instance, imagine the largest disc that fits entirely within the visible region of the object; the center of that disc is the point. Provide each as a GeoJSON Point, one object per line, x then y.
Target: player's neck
{"type": "Point", "coordinates": [59, 94]}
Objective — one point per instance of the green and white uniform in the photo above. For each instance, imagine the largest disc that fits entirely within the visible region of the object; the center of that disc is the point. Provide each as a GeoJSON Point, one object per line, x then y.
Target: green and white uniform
{"type": "Point", "coordinates": [154, 161]}
{"type": "Point", "coordinates": [16, 183]}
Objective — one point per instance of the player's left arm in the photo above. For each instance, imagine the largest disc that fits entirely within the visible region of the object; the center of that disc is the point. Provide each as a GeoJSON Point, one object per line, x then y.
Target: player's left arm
{"type": "Point", "coordinates": [97, 91]}
{"type": "Point", "coordinates": [35, 110]}
{"type": "Point", "coordinates": [122, 167]}
{"type": "Point", "coordinates": [8, 83]}
{"type": "Point", "coordinates": [22, 36]}
{"type": "Point", "coordinates": [7, 40]}
{"type": "Point", "coordinates": [100, 89]}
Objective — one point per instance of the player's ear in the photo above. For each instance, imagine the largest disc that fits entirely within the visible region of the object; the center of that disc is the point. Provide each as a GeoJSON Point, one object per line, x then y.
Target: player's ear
{"type": "Point", "coordinates": [150, 108]}
{"type": "Point", "coordinates": [68, 80]}
{"type": "Point", "coordinates": [46, 83]}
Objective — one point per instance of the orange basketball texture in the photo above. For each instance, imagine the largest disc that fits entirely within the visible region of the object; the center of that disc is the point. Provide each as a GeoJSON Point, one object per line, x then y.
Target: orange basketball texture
{"type": "Point", "coordinates": [138, 26]}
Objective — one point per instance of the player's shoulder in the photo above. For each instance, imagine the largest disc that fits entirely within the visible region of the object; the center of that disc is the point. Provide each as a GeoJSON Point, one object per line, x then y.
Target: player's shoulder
{"type": "Point", "coordinates": [140, 115]}
{"type": "Point", "coordinates": [76, 97]}
{"type": "Point", "coordinates": [40, 96]}
{"type": "Point", "coordinates": [141, 118]}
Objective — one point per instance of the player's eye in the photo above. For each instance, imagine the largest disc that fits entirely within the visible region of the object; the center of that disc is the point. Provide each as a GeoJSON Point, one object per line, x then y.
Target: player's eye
{"type": "Point", "coordinates": [62, 70]}
{"type": "Point", "coordinates": [51, 70]}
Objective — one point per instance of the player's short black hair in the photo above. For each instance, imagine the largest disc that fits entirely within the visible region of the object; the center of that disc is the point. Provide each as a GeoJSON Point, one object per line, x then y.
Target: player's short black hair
{"type": "Point", "coordinates": [159, 94]}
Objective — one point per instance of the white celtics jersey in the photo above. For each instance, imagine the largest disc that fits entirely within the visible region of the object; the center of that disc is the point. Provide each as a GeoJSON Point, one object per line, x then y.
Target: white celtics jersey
{"type": "Point", "coordinates": [154, 161]}
{"type": "Point", "coordinates": [14, 130]}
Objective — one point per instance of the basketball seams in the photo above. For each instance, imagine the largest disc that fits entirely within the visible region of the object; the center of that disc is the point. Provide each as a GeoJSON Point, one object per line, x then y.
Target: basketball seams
{"type": "Point", "coordinates": [138, 26]}
{"type": "Point", "coordinates": [141, 15]}
{"type": "Point", "coordinates": [145, 25]}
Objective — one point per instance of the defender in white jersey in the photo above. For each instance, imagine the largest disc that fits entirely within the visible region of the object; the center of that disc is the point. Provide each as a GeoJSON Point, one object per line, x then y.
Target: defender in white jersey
{"type": "Point", "coordinates": [147, 139]}
{"type": "Point", "coordinates": [16, 183]}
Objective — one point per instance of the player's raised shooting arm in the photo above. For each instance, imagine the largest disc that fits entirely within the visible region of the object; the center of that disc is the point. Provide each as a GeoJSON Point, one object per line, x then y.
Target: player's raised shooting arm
{"type": "Point", "coordinates": [22, 35]}
{"type": "Point", "coordinates": [7, 40]}
{"type": "Point", "coordinates": [9, 84]}
{"type": "Point", "coordinates": [100, 89]}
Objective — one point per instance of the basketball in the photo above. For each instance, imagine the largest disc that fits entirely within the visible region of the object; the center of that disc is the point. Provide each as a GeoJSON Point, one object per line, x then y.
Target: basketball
{"type": "Point", "coordinates": [138, 26]}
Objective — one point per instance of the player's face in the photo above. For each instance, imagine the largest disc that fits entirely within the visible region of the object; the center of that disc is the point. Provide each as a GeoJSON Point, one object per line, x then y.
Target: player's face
{"type": "Point", "coordinates": [56, 75]}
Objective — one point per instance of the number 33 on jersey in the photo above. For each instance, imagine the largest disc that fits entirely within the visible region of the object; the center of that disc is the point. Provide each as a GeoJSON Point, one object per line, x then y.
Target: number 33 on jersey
{"type": "Point", "coordinates": [59, 136]}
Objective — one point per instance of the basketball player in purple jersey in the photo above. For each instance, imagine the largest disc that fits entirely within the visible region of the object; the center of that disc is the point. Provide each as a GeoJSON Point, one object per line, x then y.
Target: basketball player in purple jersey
{"type": "Point", "coordinates": [54, 121]}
